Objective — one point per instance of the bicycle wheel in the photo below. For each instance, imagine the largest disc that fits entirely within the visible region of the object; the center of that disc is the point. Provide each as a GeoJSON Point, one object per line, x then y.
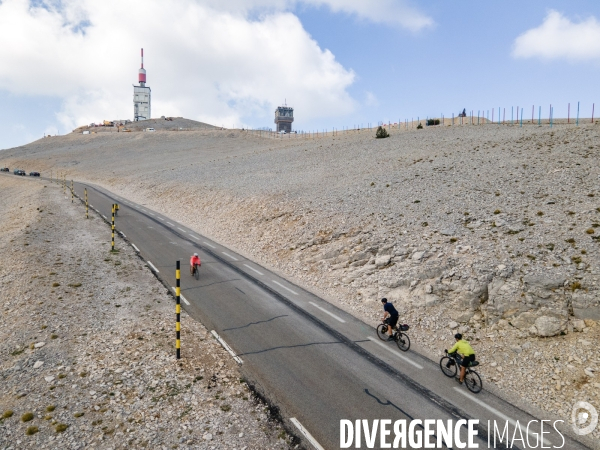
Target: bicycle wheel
{"type": "Point", "coordinates": [473, 382]}
{"type": "Point", "coordinates": [382, 331]}
{"type": "Point", "coordinates": [197, 273]}
{"type": "Point", "coordinates": [403, 341]}
{"type": "Point", "coordinates": [448, 366]}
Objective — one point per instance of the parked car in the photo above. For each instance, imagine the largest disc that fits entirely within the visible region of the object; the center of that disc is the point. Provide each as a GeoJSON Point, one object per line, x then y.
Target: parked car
{"type": "Point", "coordinates": [19, 172]}
{"type": "Point", "coordinates": [150, 129]}
{"type": "Point", "coordinates": [4, 169]}
{"type": "Point", "coordinates": [34, 174]}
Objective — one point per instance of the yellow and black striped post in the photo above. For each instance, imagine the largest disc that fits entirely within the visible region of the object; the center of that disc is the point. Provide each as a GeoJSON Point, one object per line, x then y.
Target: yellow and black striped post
{"type": "Point", "coordinates": [177, 310]}
{"type": "Point", "coordinates": [86, 205]}
{"type": "Point", "coordinates": [112, 245]}
{"type": "Point", "coordinates": [72, 192]}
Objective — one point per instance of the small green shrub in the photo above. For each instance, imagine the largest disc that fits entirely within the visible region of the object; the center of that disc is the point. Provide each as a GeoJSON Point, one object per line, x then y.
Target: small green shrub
{"type": "Point", "coordinates": [590, 231]}
{"type": "Point", "coordinates": [31, 430]}
{"type": "Point", "coordinates": [27, 417]}
{"type": "Point", "coordinates": [431, 122]}
{"type": "Point", "coordinates": [8, 413]}
{"type": "Point", "coordinates": [61, 427]}
{"type": "Point", "coordinates": [419, 127]}
{"type": "Point", "coordinates": [382, 133]}
{"type": "Point", "coordinates": [497, 211]}
{"type": "Point", "coordinates": [50, 408]}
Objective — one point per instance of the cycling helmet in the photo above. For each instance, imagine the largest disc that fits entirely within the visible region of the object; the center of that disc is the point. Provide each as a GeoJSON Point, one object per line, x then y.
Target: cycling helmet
{"type": "Point", "coordinates": [384, 300]}
{"type": "Point", "coordinates": [195, 254]}
{"type": "Point", "coordinates": [458, 336]}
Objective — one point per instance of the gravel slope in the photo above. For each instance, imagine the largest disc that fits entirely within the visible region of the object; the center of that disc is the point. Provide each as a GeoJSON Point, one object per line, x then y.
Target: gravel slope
{"type": "Point", "coordinates": [490, 230]}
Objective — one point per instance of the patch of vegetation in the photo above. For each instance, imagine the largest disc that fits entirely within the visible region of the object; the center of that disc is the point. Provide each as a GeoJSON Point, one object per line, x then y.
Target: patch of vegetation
{"type": "Point", "coordinates": [61, 427]}
{"type": "Point", "coordinates": [576, 259]}
{"type": "Point", "coordinates": [55, 284]}
{"type": "Point", "coordinates": [61, 375]}
{"type": "Point", "coordinates": [18, 352]}
{"type": "Point", "coordinates": [78, 414]}
{"type": "Point", "coordinates": [497, 211]}
{"type": "Point", "coordinates": [382, 133]}
{"type": "Point", "coordinates": [31, 430]}
{"type": "Point", "coordinates": [540, 213]}
{"type": "Point", "coordinates": [431, 122]}
{"type": "Point", "coordinates": [575, 286]}
{"type": "Point", "coordinates": [531, 257]}
{"type": "Point", "coordinates": [75, 285]}
{"type": "Point", "coordinates": [50, 408]}
{"type": "Point", "coordinates": [7, 414]}
{"type": "Point", "coordinates": [550, 247]}
{"type": "Point", "coordinates": [424, 224]}
{"type": "Point", "coordinates": [453, 240]}
{"type": "Point", "coordinates": [571, 213]}
{"type": "Point", "coordinates": [417, 201]}
{"type": "Point", "coordinates": [419, 127]}
{"type": "Point", "coordinates": [225, 408]}
{"type": "Point", "coordinates": [570, 241]}
{"type": "Point", "coordinates": [53, 336]}
{"type": "Point", "coordinates": [590, 231]}
{"type": "Point", "coordinates": [27, 417]}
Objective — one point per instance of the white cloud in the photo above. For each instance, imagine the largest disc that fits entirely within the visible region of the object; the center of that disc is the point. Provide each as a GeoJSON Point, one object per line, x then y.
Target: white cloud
{"type": "Point", "coordinates": [560, 38]}
{"type": "Point", "coordinates": [203, 62]}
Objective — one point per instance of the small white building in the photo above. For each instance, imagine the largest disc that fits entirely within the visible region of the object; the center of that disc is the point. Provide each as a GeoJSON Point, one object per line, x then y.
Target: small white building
{"type": "Point", "coordinates": [141, 96]}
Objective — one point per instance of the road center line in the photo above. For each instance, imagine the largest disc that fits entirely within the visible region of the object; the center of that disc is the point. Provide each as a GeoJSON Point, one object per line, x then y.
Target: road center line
{"type": "Point", "coordinates": [232, 257]}
{"type": "Point", "coordinates": [150, 213]}
{"type": "Point", "coordinates": [104, 216]}
{"type": "Point", "coordinates": [135, 248]}
{"type": "Point", "coordinates": [398, 354]}
{"type": "Point", "coordinates": [499, 414]}
{"type": "Point", "coordinates": [227, 347]}
{"type": "Point", "coordinates": [195, 237]}
{"type": "Point", "coordinates": [306, 434]}
{"type": "Point", "coordinates": [281, 285]}
{"type": "Point", "coordinates": [152, 266]}
{"type": "Point", "coordinates": [210, 245]}
{"type": "Point", "coordinates": [328, 312]}
{"type": "Point", "coordinates": [252, 268]}
{"type": "Point", "coordinates": [181, 297]}
{"type": "Point", "coordinates": [161, 219]}
{"type": "Point", "coordinates": [181, 229]}
{"type": "Point", "coordinates": [170, 223]}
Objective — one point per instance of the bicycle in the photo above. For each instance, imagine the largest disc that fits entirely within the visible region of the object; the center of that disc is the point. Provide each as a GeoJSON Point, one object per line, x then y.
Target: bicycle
{"type": "Point", "coordinates": [401, 338]}
{"type": "Point", "coordinates": [196, 271]}
{"type": "Point", "coordinates": [450, 364]}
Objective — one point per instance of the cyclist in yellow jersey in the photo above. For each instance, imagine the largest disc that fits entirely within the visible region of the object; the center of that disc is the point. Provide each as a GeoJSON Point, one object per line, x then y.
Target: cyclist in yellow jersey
{"type": "Point", "coordinates": [465, 350]}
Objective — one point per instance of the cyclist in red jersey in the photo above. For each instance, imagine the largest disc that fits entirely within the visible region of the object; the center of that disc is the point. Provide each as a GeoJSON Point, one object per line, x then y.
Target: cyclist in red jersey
{"type": "Point", "coordinates": [194, 261]}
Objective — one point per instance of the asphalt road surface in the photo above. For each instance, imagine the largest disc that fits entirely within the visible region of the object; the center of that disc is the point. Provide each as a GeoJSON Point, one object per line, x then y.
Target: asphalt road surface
{"type": "Point", "coordinates": [313, 361]}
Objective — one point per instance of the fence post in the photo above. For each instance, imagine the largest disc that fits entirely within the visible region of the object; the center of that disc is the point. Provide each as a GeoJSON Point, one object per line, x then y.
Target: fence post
{"type": "Point", "coordinates": [569, 113]}
{"type": "Point", "coordinates": [177, 310]}
{"type": "Point", "coordinates": [593, 105]}
{"type": "Point", "coordinates": [577, 113]}
{"type": "Point", "coordinates": [112, 229]}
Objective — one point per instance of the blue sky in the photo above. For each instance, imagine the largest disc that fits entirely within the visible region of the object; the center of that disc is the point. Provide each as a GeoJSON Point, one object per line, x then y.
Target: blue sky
{"type": "Point", "coordinates": [338, 63]}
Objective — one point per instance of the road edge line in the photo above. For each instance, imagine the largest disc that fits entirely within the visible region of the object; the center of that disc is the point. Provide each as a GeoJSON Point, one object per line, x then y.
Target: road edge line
{"type": "Point", "coordinates": [328, 312]}
{"type": "Point", "coordinates": [309, 437]}
{"type": "Point", "coordinates": [398, 354]}
{"type": "Point", "coordinates": [227, 347]}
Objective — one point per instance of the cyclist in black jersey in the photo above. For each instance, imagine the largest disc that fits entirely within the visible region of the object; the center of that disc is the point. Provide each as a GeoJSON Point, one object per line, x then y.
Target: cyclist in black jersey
{"type": "Point", "coordinates": [390, 316]}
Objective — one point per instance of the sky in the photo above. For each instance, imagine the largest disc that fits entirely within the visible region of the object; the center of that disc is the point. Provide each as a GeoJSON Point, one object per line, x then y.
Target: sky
{"type": "Point", "coordinates": [338, 63]}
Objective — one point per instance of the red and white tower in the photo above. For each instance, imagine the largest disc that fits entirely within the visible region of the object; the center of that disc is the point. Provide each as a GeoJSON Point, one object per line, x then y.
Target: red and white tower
{"type": "Point", "coordinates": [141, 96]}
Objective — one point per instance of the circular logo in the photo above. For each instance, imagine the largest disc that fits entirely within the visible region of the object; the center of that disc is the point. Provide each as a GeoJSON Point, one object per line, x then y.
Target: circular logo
{"type": "Point", "coordinates": [584, 413]}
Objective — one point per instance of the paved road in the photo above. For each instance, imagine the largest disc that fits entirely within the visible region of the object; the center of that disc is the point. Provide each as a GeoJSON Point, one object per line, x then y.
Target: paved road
{"type": "Point", "coordinates": [313, 361]}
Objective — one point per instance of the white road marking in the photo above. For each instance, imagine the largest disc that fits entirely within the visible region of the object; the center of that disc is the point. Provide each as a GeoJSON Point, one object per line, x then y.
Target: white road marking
{"type": "Point", "coordinates": [232, 257]}
{"type": "Point", "coordinates": [195, 237]}
{"type": "Point", "coordinates": [398, 354]}
{"type": "Point", "coordinates": [281, 285]}
{"type": "Point", "coordinates": [104, 216]}
{"type": "Point", "coordinates": [227, 347]}
{"type": "Point", "coordinates": [252, 268]}
{"type": "Point", "coordinates": [181, 296]}
{"type": "Point", "coordinates": [152, 266]}
{"type": "Point", "coordinates": [170, 223]}
{"type": "Point", "coordinates": [91, 206]}
{"type": "Point", "coordinates": [210, 245]}
{"type": "Point", "coordinates": [306, 434]}
{"type": "Point", "coordinates": [181, 229]}
{"type": "Point", "coordinates": [161, 219]}
{"type": "Point", "coordinates": [121, 233]}
{"type": "Point", "coordinates": [150, 213]}
{"type": "Point", "coordinates": [135, 248]}
{"type": "Point", "coordinates": [327, 312]}
{"type": "Point", "coordinates": [498, 413]}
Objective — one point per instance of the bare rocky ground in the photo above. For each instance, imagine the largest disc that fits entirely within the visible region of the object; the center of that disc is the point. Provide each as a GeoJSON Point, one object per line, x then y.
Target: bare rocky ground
{"type": "Point", "coordinates": [87, 344]}
{"type": "Point", "coordinates": [490, 230]}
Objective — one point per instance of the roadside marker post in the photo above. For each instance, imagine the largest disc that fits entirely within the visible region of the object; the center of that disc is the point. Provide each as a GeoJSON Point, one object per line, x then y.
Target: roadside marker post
{"type": "Point", "coordinates": [177, 309]}
{"type": "Point", "coordinates": [112, 227]}
{"type": "Point", "coordinates": [577, 114]}
{"type": "Point", "coordinates": [87, 216]}
{"type": "Point", "coordinates": [72, 192]}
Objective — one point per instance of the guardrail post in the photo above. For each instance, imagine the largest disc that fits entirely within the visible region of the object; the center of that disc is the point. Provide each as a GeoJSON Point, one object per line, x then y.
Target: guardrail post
{"type": "Point", "coordinates": [112, 245]}
{"type": "Point", "coordinates": [177, 310]}
{"type": "Point", "coordinates": [87, 216]}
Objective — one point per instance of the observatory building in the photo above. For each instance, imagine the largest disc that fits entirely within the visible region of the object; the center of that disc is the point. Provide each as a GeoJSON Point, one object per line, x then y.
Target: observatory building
{"type": "Point", "coordinates": [284, 116]}
{"type": "Point", "coordinates": [141, 96]}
